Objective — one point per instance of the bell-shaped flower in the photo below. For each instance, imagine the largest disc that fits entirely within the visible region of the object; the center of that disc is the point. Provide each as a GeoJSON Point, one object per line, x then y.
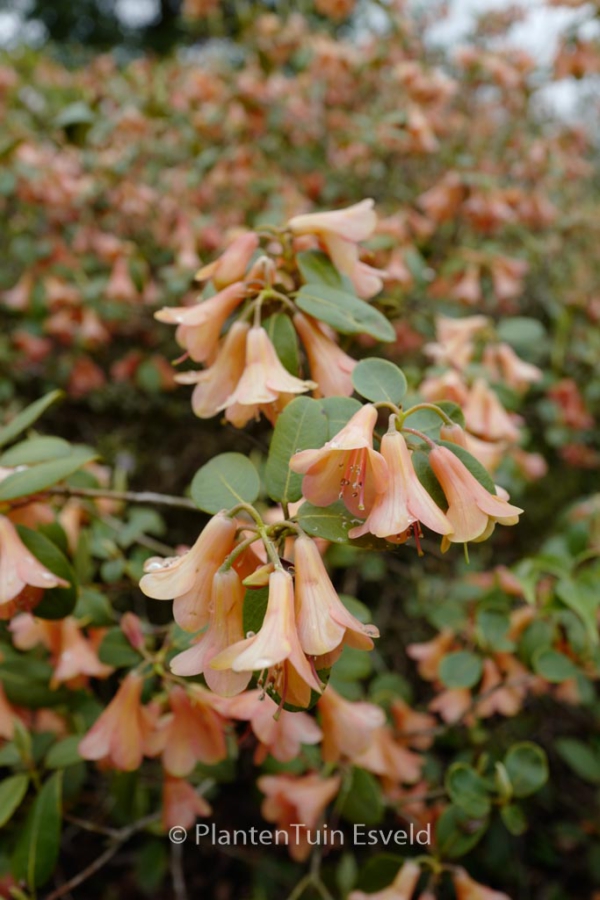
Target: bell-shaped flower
{"type": "Point", "coordinates": [471, 507]}
{"type": "Point", "coordinates": [416, 729]}
{"type": "Point", "coordinates": [199, 326]}
{"type": "Point", "coordinates": [348, 726]}
{"type": "Point", "coordinates": [386, 757]}
{"type": "Point", "coordinates": [330, 367]}
{"type": "Point", "coordinates": [452, 704]}
{"type": "Point", "coordinates": [468, 889]}
{"type": "Point", "coordinates": [346, 468]}
{"type": "Point", "coordinates": [231, 266]}
{"type": "Point", "coordinates": [188, 579]}
{"type": "Point", "coordinates": [276, 643]}
{"type": "Point", "coordinates": [215, 384]}
{"type": "Point", "coordinates": [429, 654]}
{"type": "Point", "coordinates": [264, 377]}
{"type": "Point", "coordinates": [322, 620]}
{"type": "Point", "coordinates": [181, 803]}
{"type": "Point", "coordinates": [402, 887]}
{"type": "Point", "coordinates": [292, 801]}
{"type": "Point", "coordinates": [192, 732]}
{"type": "Point", "coordinates": [76, 656]}
{"type": "Point", "coordinates": [486, 417]}
{"type": "Point", "coordinates": [504, 365]}
{"type": "Point", "coordinates": [405, 502]}
{"type": "Point", "coordinates": [119, 734]}
{"type": "Point", "coordinates": [19, 568]}
{"type": "Point", "coordinates": [224, 629]}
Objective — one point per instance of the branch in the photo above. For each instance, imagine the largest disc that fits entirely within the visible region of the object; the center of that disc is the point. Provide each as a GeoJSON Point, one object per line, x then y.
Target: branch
{"type": "Point", "coordinates": [149, 497]}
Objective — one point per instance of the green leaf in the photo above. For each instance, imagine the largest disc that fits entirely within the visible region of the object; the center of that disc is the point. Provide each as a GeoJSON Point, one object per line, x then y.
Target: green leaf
{"type": "Point", "coordinates": [64, 753]}
{"type": "Point", "coordinates": [27, 417]}
{"type": "Point", "coordinates": [584, 600]}
{"type": "Point", "coordinates": [514, 819]}
{"type": "Point", "coordinates": [363, 803]}
{"type": "Point", "coordinates": [284, 338]}
{"type": "Point", "coordinates": [76, 113]}
{"type": "Point", "coordinates": [379, 379]}
{"type": "Point", "coordinates": [468, 790]}
{"type": "Point", "coordinates": [35, 450]}
{"type": "Point", "coordinates": [12, 791]}
{"type": "Point", "coordinates": [225, 481]}
{"type": "Point", "coordinates": [254, 609]}
{"type": "Point", "coordinates": [527, 768]}
{"type": "Point", "coordinates": [462, 669]}
{"type": "Point", "coordinates": [39, 477]}
{"type": "Point", "coordinates": [301, 425]}
{"type": "Point", "coordinates": [316, 268]}
{"type": "Point", "coordinates": [329, 522]}
{"type": "Point", "coordinates": [115, 650]}
{"type": "Point", "coordinates": [38, 843]}
{"type": "Point", "coordinates": [427, 477]}
{"type": "Point", "coordinates": [493, 627]}
{"type": "Point", "coordinates": [26, 683]}
{"type": "Point", "coordinates": [553, 665]}
{"type": "Point", "coordinates": [472, 464]}
{"type": "Point", "coordinates": [522, 333]}
{"type": "Point", "coordinates": [378, 872]}
{"type": "Point", "coordinates": [429, 422]}
{"type": "Point", "coordinates": [581, 758]}
{"type": "Point", "coordinates": [57, 602]}
{"type": "Point", "coordinates": [344, 312]}
{"type": "Point", "coordinates": [338, 412]}
{"type": "Point", "coordinates": [457, 833]}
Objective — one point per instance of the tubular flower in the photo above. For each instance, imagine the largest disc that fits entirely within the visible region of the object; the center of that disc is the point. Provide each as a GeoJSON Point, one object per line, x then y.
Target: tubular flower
{"type": "Point", "coordinates": [347, 467]}
{"type": "Point", "coordinates": [348, 727]}
{"type": "Point", "coordinates": [276, 643]}
{"type": "Point", "coordinates": [20, 570]}
{"type": "Point", "coordinates": [224, 629]}
{"type": "Point", "coordinates": [467, 889]}
{"type": "Point", "coordinates": [232, 264]}
{"type": "Point", "coordinates": [181, 804]}
{"type": "Point", "coordinates": [192, 732]}
{"type": "Point", "coordinates": [264, 378]}
{"type": "Point", "coordinates": [486, 417]}
{"type": "Point", "coordinates": [401, 888]}
{"type": "Point", "coordinates": [472, 510]}
{"type": "Point", "coordinates": [214, 385]}
{"type": "Point", "coordinates": [121, 731]}
{"type": "Point", "coordinates": [199, 326]}
{"type": "Point", "coordinates": [188, 579]}
{"type": "Point", "coordinates": [322, 620]}
{"type": "Point", "coordinates": [330, 367]}
{"type": "Point", "coordinates": [405, 502]}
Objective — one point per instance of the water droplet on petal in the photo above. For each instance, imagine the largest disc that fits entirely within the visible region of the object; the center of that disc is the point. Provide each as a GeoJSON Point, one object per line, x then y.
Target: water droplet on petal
{"type": "Point", "coordinates": [250, 634]}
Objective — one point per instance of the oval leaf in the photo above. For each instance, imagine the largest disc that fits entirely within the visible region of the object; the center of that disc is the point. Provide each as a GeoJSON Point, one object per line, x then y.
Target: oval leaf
{"type": "Point", "coordinates": [58, 602]}
{"type": "Point", "coordinates": [379, 379]}
{"type": "Point", "coordinates": [38, 843]}
{"type": "Point", "coordinates": [12, 791]}
{"type": "Point", "coordinates": [462, 669]}
{"type": "Point", "coordinates": [344, 312]}
{"type": "Point", "coordinates": [27, 417]}
{"type": "Point", "coordinates": [223, 482]}
{"type": "Point", "coordinates": [301, 425]}
{"type": "Point", "coordinates": [37, 478]}
{"type": "Point", "coordinates": [35, 450]}
{"type": "Point", "coordinates": [527, 768]}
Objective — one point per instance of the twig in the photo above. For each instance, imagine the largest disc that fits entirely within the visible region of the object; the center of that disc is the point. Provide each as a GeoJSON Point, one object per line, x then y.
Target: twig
{"type": "Point", "coordinates": [128, 496]}
{"type": "Point", "coordinates": [177, 873]}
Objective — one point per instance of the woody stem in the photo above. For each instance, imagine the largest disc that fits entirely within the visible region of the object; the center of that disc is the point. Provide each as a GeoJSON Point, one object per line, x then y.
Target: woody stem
{"type": "Point", "coordinates": [422, 436]}
{"type": "Point", "coordinates": [237, 551]}
{"type": "Point", "coordinates": [127, 496]}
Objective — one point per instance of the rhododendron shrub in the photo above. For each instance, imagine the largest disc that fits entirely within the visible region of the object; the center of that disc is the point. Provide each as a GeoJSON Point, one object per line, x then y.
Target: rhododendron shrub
{"type": "Point", "coordinates": [299, 513]}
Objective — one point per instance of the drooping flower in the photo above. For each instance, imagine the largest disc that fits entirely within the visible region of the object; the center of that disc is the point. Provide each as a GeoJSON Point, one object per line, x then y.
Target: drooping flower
{"type": "Point", "coordinates": [486, 417]}
{"type": "Point", "coordinates": [188, 579]}
{"type": "Point", "coordinates": [232, 264]}
{"type": "Point", "coordinates": [224, 629]}
{"type": "Point", "coordinates": [192, 732]}
{"type": "Point", "coordinates": [347, 467]}
{"type": "Point", "coordinates": [199, 326]}
{"type": "Point", "coordinates": [297, 801]}
{"type": "Point", "coordinates": [119, 734]}
{"type": "Point", "coordinates": [386, 757]}
{"type": "Point", "coordinates": [429, 654]}
{"type": "Point", "coordinates": [405, 502]}
{"type": "Point", "coordinates": [275, 644]}
{"type": "Point", "coordinates": [468, 889]}
{"type": "Point", "coordinates": [348, 726]}
{"type": "Point", "coordinates": [506, 366]}
{"type": "Point", "coordinates": [20, 570]}
{"type": "Point", "coordinates": [401, 888]}
{"type": "Point", "coordinates": [181, 803]}
{"type": "Point", "coordinates": [215, 384]}
{"type": "Point", "coordinates": [472, 510]}
{"type": "Point", "coordinates": [322, 620]}
{"type": "Point", "coordinates": [264, 378]}
{"type": "Point", "coordinates": [330, 367]}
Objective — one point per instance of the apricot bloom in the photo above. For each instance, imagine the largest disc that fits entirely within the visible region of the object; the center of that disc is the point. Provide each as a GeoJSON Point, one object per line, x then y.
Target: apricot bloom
{"type": "Point", "coordinates": [506, 366]}
{"type": "Point", "coordinates": [330, 367]}
{"type": "Point", "coordinates": [232, 264]}
{"type": "Point", "coordinates": [188, 579]}
{"type": "Point", "coordinates": [181, 803]}
{"type": "Point", "coordinates": [19, 569]}
{"type": "Point", "coordinates": [119, 734]}
{"type": "Point", "coordinates": [405, 502]}
{"type": "Point", "coordinates": [199, 326]}
{"type": "Point", "coordinates": [7, 717]}
{"type": "Point", "coordinates": [224, 629]}
{"type": "Point", "coordinates": [346, 468]}
{"type": "Point", "coordinates": [263, 380]}
{"type": "Point", "coordinates": [215, 384]}
{"type": "Point", "coordinates": [429, 654]}
{"type": "Point", "coordinates": [276, 643]}
{"type": "Point", "coordinates": [192, 732]}
{"type": "Point", "coordinates": [486, 417]}
{"type": "Point", "coordinates": [385, 756]}
{"type": "Point", "coordinates": [348, 727]}
{"type": "Point", "coordinates": [291, 801]}
{"type": "Point", "coordinates": [472, 510]}
{"type": "Point", "coordinates": [401, 888]}
{"type": "Point", "coordinates": [322, 620]}
{"type": "Point", "coordinates": [467, 889]}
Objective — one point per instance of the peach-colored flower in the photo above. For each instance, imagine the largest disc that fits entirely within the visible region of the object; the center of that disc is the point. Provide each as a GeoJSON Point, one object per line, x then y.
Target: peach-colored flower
{"type": "Point", "coordinates": [224, 629]}
{"type": "Point", "coordinates": [467, 889]}
{"type": "Point", "coordinates": [385, 756]}
{"type": "Point", "coordinates": [19, 568]}
{"type": "Point", "coordinates": [291, 800]}
{"type": "Point", "coordinates": [119, 734]}
{"type": "Point", "coordinates": [429, 654]}
{"type": "Point", "coordinates": [348, 726]}
{"type": "Point", "coordinates": [486, 417]}
{"type": "Point", "coordinates": [75, 655]}
{"type": "Point", "coordinates": [322, 620]}
{"type": "Point", "coordinates": [404, 502]}
{"type": "Point", "coordinates": [276, 642]}
{"type": "Point", "coordinates": [7, 717]}
{"type": "Point", "coordinates": [199, 326]}
{"type": "Point", "coordinates": [347, 467]}
{"type": "Point", "coordinates": [192, 732]}
{"type": "Point", "coordinates": [496, 698]}
{"type": "Point", "coordinates": [409, 720]}
{"type": "Point", "coordinates": [472, 510]}
{"type": "Point", "coordinates": [452, 704]}
{"type": "Point", "coordinates": [232, 264]}
{"type": "Point", "coordinates": [215, 384]}
{"type": "Point", "coordinates": [330, 367]}
{"type": "Point", "coordinates": [401, 888]}
{"type": "Point", "coordinates": [504, 365]}
{"type": "Point", "coordinates": [181, 803]}
{"type": "Point", "coordinates": [188, 579]}
{"type": "Point", "coordinates": [120, 286]}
